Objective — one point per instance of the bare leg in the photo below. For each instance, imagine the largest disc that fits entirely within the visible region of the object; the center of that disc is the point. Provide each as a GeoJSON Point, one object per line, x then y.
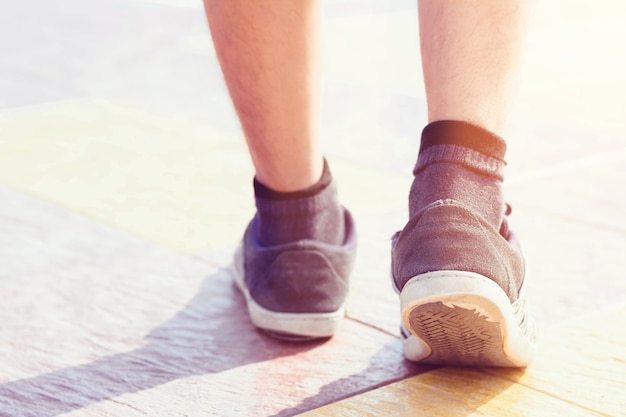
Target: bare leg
{"type": "Point", "coordinates": [268, 51]}
{"type": "Point", "coordinates": [298, 250]}
{"type": "Point", "coordinates": [457, 249]}
{"type": "Point", "coordinates": [470, 51]}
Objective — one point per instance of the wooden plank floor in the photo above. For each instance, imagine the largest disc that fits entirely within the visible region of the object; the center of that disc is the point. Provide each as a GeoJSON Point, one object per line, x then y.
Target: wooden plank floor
{"type": "Point", "coordinates": [579, 371]}
{"type": "Point", "coordinates": [125, 186]}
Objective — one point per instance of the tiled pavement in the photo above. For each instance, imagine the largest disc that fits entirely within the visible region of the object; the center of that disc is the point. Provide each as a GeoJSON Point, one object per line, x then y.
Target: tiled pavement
{"type": "Point", "coordinates": [125, 186]}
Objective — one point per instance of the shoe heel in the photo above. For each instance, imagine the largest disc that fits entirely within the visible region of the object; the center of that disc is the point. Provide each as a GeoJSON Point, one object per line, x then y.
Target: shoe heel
{"type": "Point", "coordinates": [463, 319]}
{"type": "Point", "coordinates": [293, 327]}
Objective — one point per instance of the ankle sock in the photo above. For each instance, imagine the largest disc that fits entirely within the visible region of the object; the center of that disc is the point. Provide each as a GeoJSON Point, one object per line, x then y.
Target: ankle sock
{"type": "Point", "coordinates": [460, 161]}
{"type": "Point", "coordinates": [313, 213]}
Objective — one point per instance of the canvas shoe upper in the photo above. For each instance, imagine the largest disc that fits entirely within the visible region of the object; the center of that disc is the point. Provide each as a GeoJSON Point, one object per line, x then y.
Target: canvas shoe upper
{"type": "Point", "coordinates": [461, 287]}
{"type": "Point", "coordinates": [296, 290]}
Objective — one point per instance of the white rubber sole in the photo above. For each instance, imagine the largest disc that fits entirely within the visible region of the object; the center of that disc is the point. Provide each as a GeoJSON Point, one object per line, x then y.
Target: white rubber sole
{"type": "Point", "coordinates": [287, 326]}
{"type": "Point", "coordinates": [462, 318]}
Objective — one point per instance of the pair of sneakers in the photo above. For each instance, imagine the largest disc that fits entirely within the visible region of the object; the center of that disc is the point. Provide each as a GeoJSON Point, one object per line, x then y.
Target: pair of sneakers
{"type": "Point", "coordinates": [460, 283]}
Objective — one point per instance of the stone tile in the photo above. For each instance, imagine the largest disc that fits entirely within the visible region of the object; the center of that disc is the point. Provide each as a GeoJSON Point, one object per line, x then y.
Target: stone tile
{"type": "Point", "coordinates": [98, 322]}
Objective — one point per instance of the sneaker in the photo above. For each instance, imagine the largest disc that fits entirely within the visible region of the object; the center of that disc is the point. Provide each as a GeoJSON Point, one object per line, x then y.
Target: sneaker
{"type": "Point", "coordinates": [461, 286]}
{"type": "Point", "coordinates": [295, 291]}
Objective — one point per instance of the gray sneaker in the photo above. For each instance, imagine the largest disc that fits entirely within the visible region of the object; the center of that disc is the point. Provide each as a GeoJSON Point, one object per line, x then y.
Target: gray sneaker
{"type": "Point", "coordinates": [295, 291]}
{"type": "Point", "coordinates": [461, 286]}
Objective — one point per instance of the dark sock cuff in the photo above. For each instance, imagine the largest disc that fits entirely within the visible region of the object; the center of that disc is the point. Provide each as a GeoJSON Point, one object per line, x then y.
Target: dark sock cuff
{"type": "Point", "coordinates": [264, 192]}
{"type": "Point", "coordinates": [453, 132]}
{"type": "Point", "coordinates": [462, 143]}
{"type": "Point", "coordinates": [313, 213]}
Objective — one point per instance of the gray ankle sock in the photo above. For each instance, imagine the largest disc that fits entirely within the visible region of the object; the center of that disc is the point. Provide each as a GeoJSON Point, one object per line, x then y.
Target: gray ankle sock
{"type": "Point", "coordinates": [313, 213]}
{"type": "Point", "coordinates": [460, 161]}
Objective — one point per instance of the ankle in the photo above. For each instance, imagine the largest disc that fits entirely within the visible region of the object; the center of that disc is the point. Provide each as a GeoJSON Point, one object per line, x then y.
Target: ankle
{"type": "Point", "coordinates": [296, 176]}
{"type": "Point", "coordinates": [312, 213]}
{"type": "Point", "coordinates": [462, 162]}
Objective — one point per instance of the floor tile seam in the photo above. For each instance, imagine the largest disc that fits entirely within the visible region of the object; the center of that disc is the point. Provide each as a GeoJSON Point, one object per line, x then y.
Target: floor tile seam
{"type": "Point", "coordinates": [568, 166]}
{"type": "Point", "coordinates": [372, 326]}
{"type": "Point", "coordinates": [127, 404]}
{"type": "Point", "coordinates": [546, 393]}
{"type": "Point", "coordinates": [363, 391]}
{"type": "Point", "coordinates": [494, 373]}
{"type": "Point", "coordinates": [374, 386]}
{"type": "Point", "coordinates": [485, 371]}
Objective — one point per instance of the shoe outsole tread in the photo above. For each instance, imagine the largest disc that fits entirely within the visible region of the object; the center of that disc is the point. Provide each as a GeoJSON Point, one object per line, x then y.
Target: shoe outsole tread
{"type": "Point", "coordinates": [464, 319]}
{"type": "Point", "coordinates": [458, 336]}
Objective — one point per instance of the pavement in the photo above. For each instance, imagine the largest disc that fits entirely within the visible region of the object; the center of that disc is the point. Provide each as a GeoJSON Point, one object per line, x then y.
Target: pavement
{"type": "Point", "coordinates": [125, 187]}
